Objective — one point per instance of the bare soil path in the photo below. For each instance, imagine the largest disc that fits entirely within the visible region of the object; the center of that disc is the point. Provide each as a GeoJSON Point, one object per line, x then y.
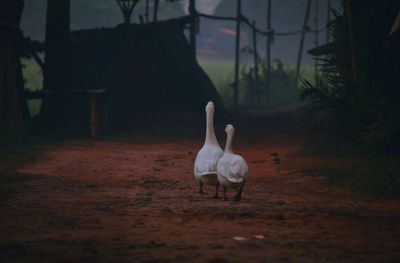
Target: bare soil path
{"type": "Point", "coordinates": [135, 200]}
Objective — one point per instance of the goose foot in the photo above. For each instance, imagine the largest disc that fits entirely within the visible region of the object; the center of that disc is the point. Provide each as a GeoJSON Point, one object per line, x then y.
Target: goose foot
{"type": "Point", "coordinates": [216, 193]}
{"type": "Point", "coordinates": [225, 199]}
{"type": "Point", "coordinates": [237, 198]}
{"type": "Point", "coordinates": [201, 189]}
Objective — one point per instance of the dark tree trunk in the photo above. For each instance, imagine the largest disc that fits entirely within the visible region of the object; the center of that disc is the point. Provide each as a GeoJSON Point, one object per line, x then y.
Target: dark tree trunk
{"type": "Point", "coordinates": [56, 57]}
{"type": "Point", "coordinates": [13, 107]}
{"type": "Point", "coordinates": [57, 36]}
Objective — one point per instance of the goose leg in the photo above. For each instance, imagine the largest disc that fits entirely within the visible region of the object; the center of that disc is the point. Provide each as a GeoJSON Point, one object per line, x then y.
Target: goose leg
{"type": "Point", "coordinates": [238, 196]}
{"type": "Point", "coordinates": [201, 188]}
{"type": "Point", "coordinates": [225, 194]}
{"type": "Point", "coordinates": [216, 192]}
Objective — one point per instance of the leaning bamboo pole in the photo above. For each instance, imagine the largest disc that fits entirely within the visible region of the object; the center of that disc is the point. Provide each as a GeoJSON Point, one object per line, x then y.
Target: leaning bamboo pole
{"type": "Point", "coordinates": [303, 34]}
{"type": "Point", "coordinates": [237, 49]}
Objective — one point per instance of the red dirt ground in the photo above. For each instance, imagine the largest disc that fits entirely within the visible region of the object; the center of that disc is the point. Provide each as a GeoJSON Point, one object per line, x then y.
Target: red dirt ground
{"type": "Point", "coordinates": [135, 200]}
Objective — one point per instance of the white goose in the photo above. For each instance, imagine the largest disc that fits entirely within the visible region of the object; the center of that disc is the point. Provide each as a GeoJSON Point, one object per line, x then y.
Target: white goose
{"type": "Point", "coordinates": [232, 169]}
{"type": "Point", "coordinates": [205, 166]}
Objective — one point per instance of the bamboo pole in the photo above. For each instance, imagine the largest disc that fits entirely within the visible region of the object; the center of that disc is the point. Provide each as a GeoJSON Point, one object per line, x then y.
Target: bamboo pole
{"type": "Point", "coordinates": [193, 25]}
{"type": "Point", "coordinates": [328, 20]}
{"type": "Point", "coordinates": [236, 84]}
{"type": "Point", "coordinates": [268, 51]}
{"type": "Point", "coordinates": [316, 41]}
{"type": "Point", "coordinates": [155, 14]}
{"type": "Point", "coordinates": [256, 68]}
{"type": "Point", "coordinates": [351, 40]}
{"type": "Point", "coordinates": [303, 34]}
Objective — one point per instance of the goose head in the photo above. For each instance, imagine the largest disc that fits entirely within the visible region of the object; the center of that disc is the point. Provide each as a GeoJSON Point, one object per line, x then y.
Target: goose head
{"type": "Point", "coordinates": [210, 107]}
{"type": "Point", "coordinates": [229, 129]}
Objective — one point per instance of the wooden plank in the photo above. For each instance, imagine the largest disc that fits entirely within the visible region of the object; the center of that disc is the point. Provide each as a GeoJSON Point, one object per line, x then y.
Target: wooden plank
{"type": "Point", "coordinates": [57, 92]}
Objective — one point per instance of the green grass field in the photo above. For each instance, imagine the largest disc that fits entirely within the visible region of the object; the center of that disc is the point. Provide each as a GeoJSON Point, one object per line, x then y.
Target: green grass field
{"type": "Point", "coordinates": [221, 72]}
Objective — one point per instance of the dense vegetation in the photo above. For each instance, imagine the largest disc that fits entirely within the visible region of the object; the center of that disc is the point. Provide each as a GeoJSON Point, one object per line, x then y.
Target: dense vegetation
{"type": "Point", "coordinates": [357, 94]}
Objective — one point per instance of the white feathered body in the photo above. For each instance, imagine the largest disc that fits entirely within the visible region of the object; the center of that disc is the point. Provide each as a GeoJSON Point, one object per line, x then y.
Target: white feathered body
{"type": "Point", "coordinates": [232, 170]}
{"type": "Point", "coordinates": [205, 166]}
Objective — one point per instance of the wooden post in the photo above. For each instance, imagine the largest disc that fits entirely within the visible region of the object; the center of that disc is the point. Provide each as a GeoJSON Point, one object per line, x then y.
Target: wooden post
{"type": "Point", "coordinates": [155, 14]}
{"type": "Point", "coordinates": [237, 49]}
{"type": "Point", "coordinates": [93, 115]}
{"type": "Point", "coordinates": [193, 26]}
{"type": "Point", "coordinates": [316, 41]}
{"type": "Point", "coordinates": [105, 118]}
{"type": "Point", "coordinates": [255, 51]}
{"type": "Point", "coordinates": [351, 39]}
{"type": "Point", "coordinates": [328, 19]}
{"type": "Point", "coordinates": [303, 34]}
{"type": "Point", "coordinates": [268, 51]}
{"type": "Point", "coordinates": [146, 15]}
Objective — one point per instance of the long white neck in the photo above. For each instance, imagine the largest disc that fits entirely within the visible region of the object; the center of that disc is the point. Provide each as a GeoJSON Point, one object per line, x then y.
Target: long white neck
{"type": "Point", "coordinates": [229, 138]}
{"type": "Point", "coordinates": [210, 133]}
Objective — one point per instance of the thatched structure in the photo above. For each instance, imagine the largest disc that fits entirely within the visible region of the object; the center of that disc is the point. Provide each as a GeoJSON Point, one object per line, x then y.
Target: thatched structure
{"type": "Point", "coordinates": [143, 68]}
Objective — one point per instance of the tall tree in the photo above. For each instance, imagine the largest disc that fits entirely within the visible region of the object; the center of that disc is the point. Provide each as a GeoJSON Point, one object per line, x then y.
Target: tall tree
{"type": "Point", "coordinates": [56, 56]}
{"type": "Point", "coordinates": [13, 109]}
{"type": "Point", "coordinates": [57, 37]}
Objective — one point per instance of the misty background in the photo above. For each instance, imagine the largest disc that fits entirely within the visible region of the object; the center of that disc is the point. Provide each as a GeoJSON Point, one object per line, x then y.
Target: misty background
{"type": "Point", "coordinates": [215, 40]}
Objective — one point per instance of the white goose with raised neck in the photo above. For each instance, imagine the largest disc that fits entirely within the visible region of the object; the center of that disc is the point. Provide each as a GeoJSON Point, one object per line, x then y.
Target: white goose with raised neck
{"type": "Point", "coordinates": [211, 139]}
{"type": "Point", "coordinates": [230, 131]}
